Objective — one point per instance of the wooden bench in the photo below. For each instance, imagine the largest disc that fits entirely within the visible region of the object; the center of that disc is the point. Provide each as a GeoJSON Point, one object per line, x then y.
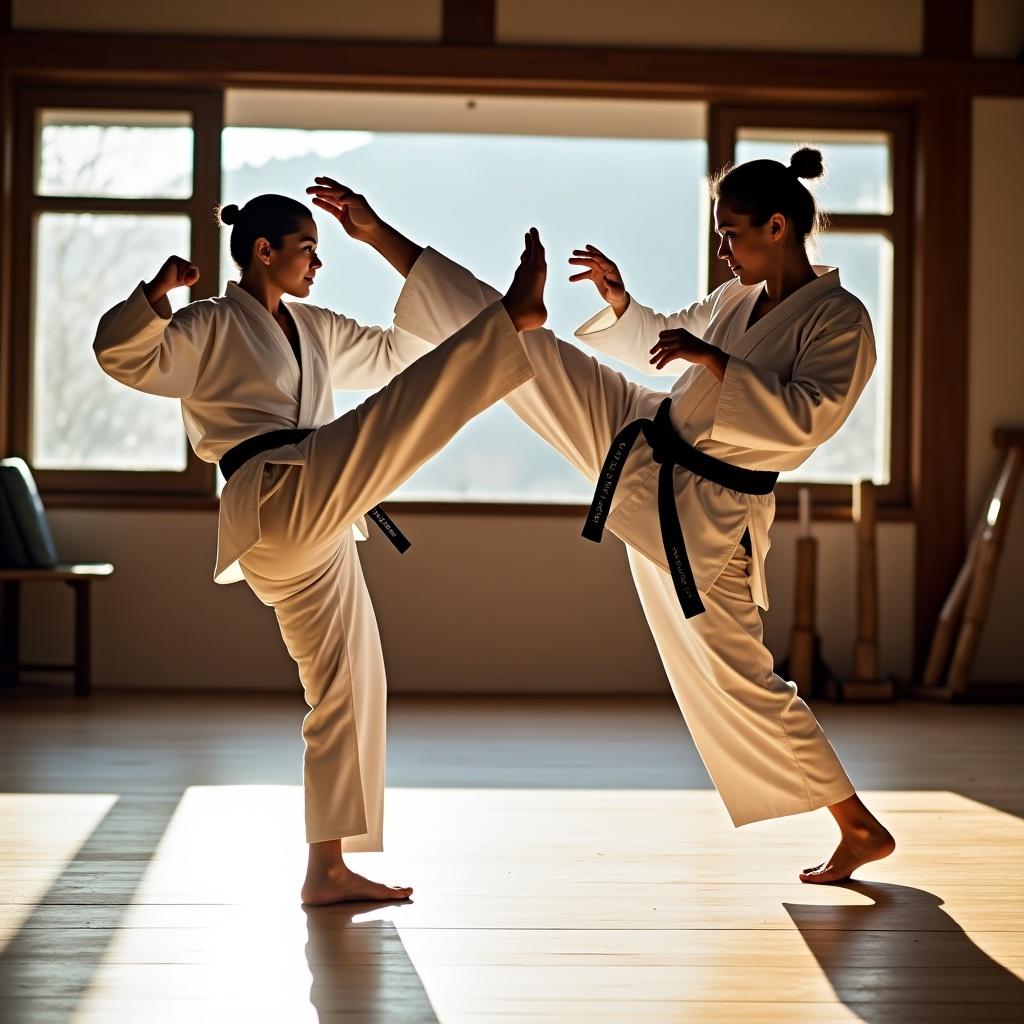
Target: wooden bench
{"type": "Point", "coordinates": [79, 577]}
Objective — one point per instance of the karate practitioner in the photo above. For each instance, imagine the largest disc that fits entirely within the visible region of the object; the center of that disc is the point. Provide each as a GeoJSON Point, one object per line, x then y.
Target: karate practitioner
{"type": "Point", "coordinates": [255, 376]}
{"type": "Point", "coordinates": [776, 359]}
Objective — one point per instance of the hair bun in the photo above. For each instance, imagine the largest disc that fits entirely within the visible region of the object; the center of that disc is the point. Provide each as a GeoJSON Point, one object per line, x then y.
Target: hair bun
{"type": "Point", "coordinates": [229, 214]}
{"type": "Point", "coordinates": [807, 163]}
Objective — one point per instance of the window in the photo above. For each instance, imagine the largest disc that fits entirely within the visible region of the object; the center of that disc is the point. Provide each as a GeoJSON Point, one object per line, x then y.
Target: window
{"type": "Point", "coordinates": [864, 195]}
{"type": "Point", "coordinates": [469, 176]}
{"type": "Point", "coordinates": [113, 187]}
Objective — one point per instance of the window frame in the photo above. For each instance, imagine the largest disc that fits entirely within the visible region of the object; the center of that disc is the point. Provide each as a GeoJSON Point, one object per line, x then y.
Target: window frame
{"type": "Point", "coordinates": [77, 487]}
{"type": "Point", "coordinates": [725, 121]}
{"type": "Point", "coordinates": [195, 488]}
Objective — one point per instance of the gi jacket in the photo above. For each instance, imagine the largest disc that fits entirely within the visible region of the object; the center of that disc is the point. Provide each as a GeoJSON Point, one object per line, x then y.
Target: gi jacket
{"type": "Point", "coordinates": [791, 382]}
{"type": "Point", "coordinates": [230, 364]}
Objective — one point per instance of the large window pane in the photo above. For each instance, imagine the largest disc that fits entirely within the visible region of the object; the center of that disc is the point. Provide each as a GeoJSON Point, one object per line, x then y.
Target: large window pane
{"type": "Point", "coordinates": [472, 196]}
{"type": "Point", "coordinates": [81, 419]}
{"type": "Point", "coordinates": [860, 449]}
{"type": "Point", "coordinates": [857, 175]}
{"type": "Point", "coordinates": [117, 154]}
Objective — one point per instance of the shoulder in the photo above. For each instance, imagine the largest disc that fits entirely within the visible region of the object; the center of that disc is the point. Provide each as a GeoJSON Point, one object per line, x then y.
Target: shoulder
{"type": "Point", "coordinates": [842, 310]}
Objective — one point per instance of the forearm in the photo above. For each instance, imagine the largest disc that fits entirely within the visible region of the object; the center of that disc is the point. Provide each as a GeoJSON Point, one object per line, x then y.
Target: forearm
{"type": "Point", "coordinates": [156, 296]}
{"type": "Point", "coordinates": [715, 360]}
{"type": "Point", "coordinates": [401, 252]}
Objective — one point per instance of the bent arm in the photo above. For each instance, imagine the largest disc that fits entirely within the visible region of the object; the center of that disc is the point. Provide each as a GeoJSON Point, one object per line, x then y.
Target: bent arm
{"type": "Point", "coordinates": [630, 337]}
{"type": "Point", "coordinates": [758, 410]}
{"type": "Point", "coordinates": [161, 355]}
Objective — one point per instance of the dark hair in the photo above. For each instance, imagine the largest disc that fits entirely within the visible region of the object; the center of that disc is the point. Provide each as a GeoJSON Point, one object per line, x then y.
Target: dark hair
{"type": "Point", "coordinates": [760, 188]}
{"type": "Point", "coordinates": [269, 216]}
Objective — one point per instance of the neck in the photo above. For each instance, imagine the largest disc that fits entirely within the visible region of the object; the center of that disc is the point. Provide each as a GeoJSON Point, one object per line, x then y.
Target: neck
{"type": "Point", "coordinates": [265, 293]}
{"type": "Point", "coordinates": [793, 273]}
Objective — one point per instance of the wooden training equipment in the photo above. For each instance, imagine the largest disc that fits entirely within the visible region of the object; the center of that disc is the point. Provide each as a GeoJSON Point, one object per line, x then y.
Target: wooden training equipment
{"type": "Point", "coordinates": [804, 665]}
{"type": "Point", "coordinates": [963, 615]}
{"type": "Point", "coordinates": [866, 684]}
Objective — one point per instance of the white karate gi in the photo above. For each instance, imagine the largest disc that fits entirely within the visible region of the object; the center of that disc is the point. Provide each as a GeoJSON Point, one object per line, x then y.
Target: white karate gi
{"type": "Point", "coordinates": [791, 382]}
{"type": "Point", "coordinates": [286, 515]}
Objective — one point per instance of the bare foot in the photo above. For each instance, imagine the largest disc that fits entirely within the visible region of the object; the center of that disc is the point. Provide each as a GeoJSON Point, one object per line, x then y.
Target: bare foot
{"type": "Point", "coordinates": [340, 885]}
{"type": "Point", "coordinates": [524, 300]}
{"type": "Point", "coordinates": [858, 846]}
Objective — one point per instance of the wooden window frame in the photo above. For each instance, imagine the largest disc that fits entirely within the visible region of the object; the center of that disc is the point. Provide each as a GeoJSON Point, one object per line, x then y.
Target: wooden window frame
{"type": "Point", "coordinates": [833, 501]}
{"type": "Point", "coordinates": [84, 487]}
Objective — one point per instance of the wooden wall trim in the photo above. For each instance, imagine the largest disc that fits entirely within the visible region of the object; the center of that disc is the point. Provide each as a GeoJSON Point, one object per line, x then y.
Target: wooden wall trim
{"type": "Point", "coordinates": [708, 75]}
{"type": "Point", "coordinates": [949, 29]}
{"type": "Point", "coordinates": [942, 289]}
{"type": "Point", "coordinates": [468, 22]}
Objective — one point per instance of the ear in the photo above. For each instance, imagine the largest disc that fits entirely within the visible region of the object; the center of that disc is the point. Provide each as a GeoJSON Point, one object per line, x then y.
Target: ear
{"type": "Point", "coordinates": [777, 227]}
{"type": "Point", "coordinates": [262, 249]}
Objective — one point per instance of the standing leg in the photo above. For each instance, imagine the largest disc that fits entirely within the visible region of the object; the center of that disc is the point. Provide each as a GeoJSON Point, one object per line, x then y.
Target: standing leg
{"type": "Point", "coordinates": [329, 630]}
{"type": "Point", "coordinates": [761, 744]}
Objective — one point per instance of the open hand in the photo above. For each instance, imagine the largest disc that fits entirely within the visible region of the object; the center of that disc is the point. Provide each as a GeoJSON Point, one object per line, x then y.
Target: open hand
{"type": "Point", "coordinates": [605, 275]}
{"type": "Point", "coordinates": [350, 209]}
{"type": "Point", "coordinates": [679, 344]}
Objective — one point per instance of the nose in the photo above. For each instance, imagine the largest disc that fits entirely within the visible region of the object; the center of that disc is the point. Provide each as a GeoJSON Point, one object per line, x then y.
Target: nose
{"type": "Point", "coordinates": [317, 262]}
{"type": "Point", "coordinates": [723, 250]}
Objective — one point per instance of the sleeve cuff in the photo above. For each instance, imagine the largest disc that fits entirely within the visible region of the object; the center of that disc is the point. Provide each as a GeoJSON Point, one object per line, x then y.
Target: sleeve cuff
{"type": "Point", "coordinates": [606, 326]}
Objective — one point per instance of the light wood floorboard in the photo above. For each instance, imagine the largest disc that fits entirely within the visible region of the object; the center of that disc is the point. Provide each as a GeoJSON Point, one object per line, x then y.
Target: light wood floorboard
{"type": "Point", "coordinates": [571, 863]}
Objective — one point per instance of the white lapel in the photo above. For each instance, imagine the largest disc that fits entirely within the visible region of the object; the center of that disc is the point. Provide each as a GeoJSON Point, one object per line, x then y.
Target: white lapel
{"type": "Point", "coordinates": [306, 389]}
{"type": "Point", "coordinates": [741, 342]}
{"type": "Point", "coordinates": [268, 328]}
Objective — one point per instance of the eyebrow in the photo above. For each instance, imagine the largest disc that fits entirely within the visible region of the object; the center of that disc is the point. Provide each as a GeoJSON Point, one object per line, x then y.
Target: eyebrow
{"type": "Point", "coordinates": [308, 239]}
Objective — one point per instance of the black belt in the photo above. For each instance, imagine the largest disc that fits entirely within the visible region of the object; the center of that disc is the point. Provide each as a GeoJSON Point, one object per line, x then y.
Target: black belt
{"type": "Point", "coordinates": [669, 450]}
{"type": "Point", "coordinates": [233, 460]}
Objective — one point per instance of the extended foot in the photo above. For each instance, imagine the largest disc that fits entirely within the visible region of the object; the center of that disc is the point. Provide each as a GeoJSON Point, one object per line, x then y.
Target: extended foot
{"type": "Point", "coordinates": [524, 300]}
{"type": "Point", "coordinates": [341, 886]}
{"type": "Point", "coordinates": [858, 846]}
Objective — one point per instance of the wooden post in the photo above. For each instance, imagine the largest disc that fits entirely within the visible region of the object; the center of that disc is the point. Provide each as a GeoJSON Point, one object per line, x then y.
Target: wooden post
{"type": "Point", "coordinates": [865, 684]}
{"type": "Point", "coordinates": [802, 644]}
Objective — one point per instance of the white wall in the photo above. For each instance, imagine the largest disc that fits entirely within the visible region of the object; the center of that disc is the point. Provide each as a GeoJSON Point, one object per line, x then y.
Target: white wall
{"type": "Point", "coordinates": [996, 395]}
{"type": "Point", "coordinates": [868, 26]}
{"type": "Point", "coordinates": [481, 603]}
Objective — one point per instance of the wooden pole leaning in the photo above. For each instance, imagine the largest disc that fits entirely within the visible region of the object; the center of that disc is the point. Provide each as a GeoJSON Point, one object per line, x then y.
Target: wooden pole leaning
{"type": "Point", "coordinates": [866, 683]}
{"type": "Point", "coordinates": [962, 618]}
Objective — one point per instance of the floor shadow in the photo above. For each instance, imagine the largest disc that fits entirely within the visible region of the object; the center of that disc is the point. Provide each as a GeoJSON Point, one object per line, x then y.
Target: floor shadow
{"type": "Point", "coordinates": [72, 926]}
{"type": "Point", "coordinates": [361, 970]}
{"type": "Point", "coordinates": [903, 958]}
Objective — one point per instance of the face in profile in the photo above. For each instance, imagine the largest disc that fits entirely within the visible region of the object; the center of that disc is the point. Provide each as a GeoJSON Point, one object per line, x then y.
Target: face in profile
{"type": "Point", "coordinates": [750, 251]}
{"type": "Point", "coordinates": [293, 266]}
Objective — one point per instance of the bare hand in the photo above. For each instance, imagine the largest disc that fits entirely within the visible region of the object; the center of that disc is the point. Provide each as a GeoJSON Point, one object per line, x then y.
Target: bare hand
{"type": "Point", "coordinates": [679, 344]}
{"type": "Point", "coordinates": [605, 275]}
{"type": "Point", "coordinates": [350, 209]}
{"type": "Point", "coordinates": [177, 272]}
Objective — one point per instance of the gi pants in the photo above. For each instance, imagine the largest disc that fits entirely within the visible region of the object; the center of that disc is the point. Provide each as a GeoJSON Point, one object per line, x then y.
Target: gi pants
{"type": "Point", "coordinates": [305, 565]}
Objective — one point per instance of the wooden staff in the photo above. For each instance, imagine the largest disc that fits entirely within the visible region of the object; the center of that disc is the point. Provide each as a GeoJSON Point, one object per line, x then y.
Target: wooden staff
{"type": "Point", "coordinates": [865, 684]}
{"type": "Point", "coordinates": [865, 652]}
{"type": "Point", "coordinates": [963, 614]}
{"type": "Point", "coordinates": [802, 645]}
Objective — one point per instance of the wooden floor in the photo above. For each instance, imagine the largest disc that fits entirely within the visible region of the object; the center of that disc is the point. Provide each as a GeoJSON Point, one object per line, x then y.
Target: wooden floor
{"type": "Point", "coordinates": [571, 863]}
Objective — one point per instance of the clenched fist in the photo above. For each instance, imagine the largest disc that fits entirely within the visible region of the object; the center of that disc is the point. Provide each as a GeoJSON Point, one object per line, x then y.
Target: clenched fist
{"type": "Point", "coordinates": [177, 272]}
